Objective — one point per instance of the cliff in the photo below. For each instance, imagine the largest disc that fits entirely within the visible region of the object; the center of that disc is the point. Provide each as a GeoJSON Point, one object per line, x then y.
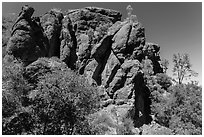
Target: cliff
{"type": "Point", "coordinates": [112, 54]}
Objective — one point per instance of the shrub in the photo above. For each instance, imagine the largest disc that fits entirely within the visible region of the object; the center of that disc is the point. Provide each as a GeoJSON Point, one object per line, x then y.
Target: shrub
{"type": "Point", "coordinates": [163, 80]}
{"type": "Point", "coordinates": [59, 104]}
{"type": "Point", "coordinates": [185, 107]}
{"type": "Point", "coordinates": [181, 110]}
{"type": "Point", "coordinates": [15, 115]}
{"type": "Point", "coordinates": [62, 103]}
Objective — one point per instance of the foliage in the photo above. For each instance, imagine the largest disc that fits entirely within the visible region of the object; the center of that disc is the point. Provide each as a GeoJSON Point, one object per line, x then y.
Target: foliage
{"type": "Point", "coordinates": [155, 129]}
{"type": "Point", "coordinates": [15, 113]}
{"type": "Point", "coordinates": [103, 123]}
{"type": "Point", "coordinates": [147, 66]}
{"type": "Point", "coordinates": [182, 67]}
{"type": "Point", "coordinates": [7, 22]}
{"type": "Point", "coordinates": [164, 64]}
{"type": "Point", "coordinates": [163, 80]}
{"type": "Point", "coordinates": [185, 107]}
{"type": "Point", "coordinates": [60, 104]}
{"type": "Point", "coordinates": [179, 108]}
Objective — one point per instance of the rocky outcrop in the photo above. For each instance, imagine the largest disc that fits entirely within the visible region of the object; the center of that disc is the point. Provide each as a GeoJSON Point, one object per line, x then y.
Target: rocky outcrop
{"type": "Point", "coordinates": [27, 42]}
{"type": "Point", "coordinates": [68, 43]}
{"type": "Point", "coordinates": [117, 67]}
{"type": "Point", "coordinates": [112, 54]}
{"type": "Point", "coordinates": [91, 17]}
{"type": "Point", "coordinates": [51, 24]}
{"type": "Point", "coordinates": [92, 24]}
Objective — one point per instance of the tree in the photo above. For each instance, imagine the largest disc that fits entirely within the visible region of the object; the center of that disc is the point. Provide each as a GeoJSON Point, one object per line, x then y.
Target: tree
{"type": "Point", "coordinates": [182, 67]}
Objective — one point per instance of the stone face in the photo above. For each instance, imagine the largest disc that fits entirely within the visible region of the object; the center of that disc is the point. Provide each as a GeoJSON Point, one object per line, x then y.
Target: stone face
{"type": "Point", "coordinates": [92, 16]}
{"type": "Point", "coordinates": [27, 42]}
{"type": "Point", "coordinates": [51, 23]}
{"type": "Point", "coordinates": [136, 37]}
{"type": "Point", "coordinates": [108, 12]}
{"type": "Point", "coordinates": [68, 43]}
{"type": "Point", "coordinates": [120, 39]}
{"type": "Point", "coordinates": [91, 24]}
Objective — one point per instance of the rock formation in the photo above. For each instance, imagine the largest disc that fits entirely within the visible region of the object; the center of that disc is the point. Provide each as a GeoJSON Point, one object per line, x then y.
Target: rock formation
{"type": "Point", "coordinates": [27, 42]}
{"type": "Point", "coordinates": [112, 54]}
{"type": "Point", "coordinates": [51, 23]}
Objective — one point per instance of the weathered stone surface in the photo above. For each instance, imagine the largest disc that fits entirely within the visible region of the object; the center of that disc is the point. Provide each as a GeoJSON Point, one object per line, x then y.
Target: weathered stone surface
{"type": "Point", "coordinates": [84, 51]}
{"type": "Point", "coordinates": [112, 65]}
{"type": "Point", "coordinates": [94, 23]}
{"type": "Point", "coordinates": [115, 27]}
{"type": "Point", "coordinates": [25, 13]}
{"type": "Point", "coordinates": [27, 42]}
{"type": "Point", "coordinates": [84, 47]}
{"type": "Point", "coordinates": [93, 16]}
{"type": "Point", "coordinates": [120, 39]}
{"type": "Point", "coordinates": [89, 71]}
{"type": "Point", "coordinates": [108, 12]}
{"type": "Point", "coordinates": [51, 23]}
{"type": "Point", "coordinates": [68, 43]}
{"type": "Point", "coordinates": [136, 37]}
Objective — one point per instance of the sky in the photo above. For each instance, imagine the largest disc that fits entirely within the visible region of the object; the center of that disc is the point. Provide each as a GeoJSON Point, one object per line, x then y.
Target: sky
{"type": "Point", "coordinates": [176, 27]}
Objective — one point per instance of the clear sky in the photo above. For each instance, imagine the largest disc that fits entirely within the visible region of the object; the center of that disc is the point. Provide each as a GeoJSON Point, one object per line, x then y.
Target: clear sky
{"type": "Point", "coordinates": [176, 27]}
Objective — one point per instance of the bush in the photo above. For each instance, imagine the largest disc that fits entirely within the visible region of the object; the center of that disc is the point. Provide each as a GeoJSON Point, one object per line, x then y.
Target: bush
{"type": "Point", "coordinates": [59, 104]}
{"type": "Point", "coordinates": [180, 110]}
{"type": "Point", "coordinates": [14, 101]}
{"type": "Point", "coordinates": [62, 103]}
{"type": "Point", "coordinates": [185, 107]}
{"type": "Point", "coordinates": [163, 80]}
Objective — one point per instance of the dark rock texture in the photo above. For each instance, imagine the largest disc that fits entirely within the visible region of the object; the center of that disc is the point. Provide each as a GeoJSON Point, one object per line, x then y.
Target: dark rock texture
{"type": "Point", "coordinates": [27, 41]}
{"type": "Point", "coordinates": [110, 53]}
{"type": "Point", "coordinates": [51, 24]}
{"type": "Point", "coordinates": [91, 25]}
{"type": "Point", "coordinates": [68, 44]}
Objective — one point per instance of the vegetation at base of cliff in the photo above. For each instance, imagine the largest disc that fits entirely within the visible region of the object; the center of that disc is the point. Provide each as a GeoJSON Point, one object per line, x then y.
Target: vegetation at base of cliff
{"type": "Point", "coordinates": [60, 104]}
